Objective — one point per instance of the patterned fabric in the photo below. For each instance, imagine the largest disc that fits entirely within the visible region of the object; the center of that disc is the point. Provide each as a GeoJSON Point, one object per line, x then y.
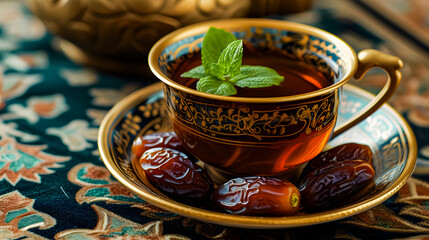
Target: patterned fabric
{"type": "Point", "coordinates": [53, 184]}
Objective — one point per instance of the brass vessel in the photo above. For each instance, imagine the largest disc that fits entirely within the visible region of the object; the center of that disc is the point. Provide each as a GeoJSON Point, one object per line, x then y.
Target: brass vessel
{"type": "Point", "coordinates": [116, 35]}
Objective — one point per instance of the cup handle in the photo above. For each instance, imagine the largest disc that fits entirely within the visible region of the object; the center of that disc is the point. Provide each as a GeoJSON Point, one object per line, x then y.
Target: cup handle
{"type": "Point", "coordinates": [368, 59]}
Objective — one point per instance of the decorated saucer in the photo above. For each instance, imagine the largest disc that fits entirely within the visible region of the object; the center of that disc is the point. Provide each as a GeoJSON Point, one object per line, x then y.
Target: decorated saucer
{"type": "Point", "coordinates": [143, 112]}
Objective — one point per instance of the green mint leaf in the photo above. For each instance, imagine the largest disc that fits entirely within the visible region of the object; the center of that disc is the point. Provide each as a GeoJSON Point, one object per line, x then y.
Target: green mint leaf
{"type": "Point", "coordinates": [229, 62]}
{"type": "Point", "coordinates": [216, 70]}
{"type": "Point", "coordinates": [196, 72]}
{"type": "Point", "coordinates": [216, 86]}
{"type": "Point", "coordinates": [230, 58]}
{"type": "Point", "coordinates": [221, 69]}
{"type": "Point", "coordinates": [214, 42]}
{"type": "Point", "coordinates": [256, 77]}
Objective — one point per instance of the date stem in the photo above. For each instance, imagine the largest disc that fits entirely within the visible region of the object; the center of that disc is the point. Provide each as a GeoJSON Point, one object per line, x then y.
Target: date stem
{"type": "Point", "coordinates": [294, 200]}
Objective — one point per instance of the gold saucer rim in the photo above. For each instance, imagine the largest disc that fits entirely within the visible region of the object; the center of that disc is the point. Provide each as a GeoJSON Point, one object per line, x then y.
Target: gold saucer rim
{"type": "Point", "coordinates": [255, 222]}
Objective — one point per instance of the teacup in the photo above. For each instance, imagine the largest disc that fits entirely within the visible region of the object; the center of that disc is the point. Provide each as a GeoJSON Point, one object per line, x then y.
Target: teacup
{"type": "Point", "coordinates": [266, 136]}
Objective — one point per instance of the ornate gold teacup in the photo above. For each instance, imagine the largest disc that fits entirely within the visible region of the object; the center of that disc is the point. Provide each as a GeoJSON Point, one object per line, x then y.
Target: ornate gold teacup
{"type": "Point", "coordinates": [265, 135]}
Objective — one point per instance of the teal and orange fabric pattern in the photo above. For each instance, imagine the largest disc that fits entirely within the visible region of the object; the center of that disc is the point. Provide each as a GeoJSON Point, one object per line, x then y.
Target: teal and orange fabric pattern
{"type": "Point", "coordinates": [54, 185]}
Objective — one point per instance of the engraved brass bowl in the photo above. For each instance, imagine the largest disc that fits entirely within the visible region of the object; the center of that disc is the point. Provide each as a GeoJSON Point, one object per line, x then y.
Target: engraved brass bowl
{"type": "Point", "coordinates": [143, 112]}
{"type": "Point", "coordinates": [116, 35]}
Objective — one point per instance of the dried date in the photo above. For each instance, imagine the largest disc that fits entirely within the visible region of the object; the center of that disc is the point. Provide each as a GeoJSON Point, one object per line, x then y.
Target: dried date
{"type": "Point", "coordinates": [335, 182]}
{"type": "Point", "coordinates": [162, 139]}
{"type": "Point", "coordinates": [173, 173]}
{"type": "Point", "coordinates": [348, 151]}
{"type": "Point", "coordinates": [258, 196]}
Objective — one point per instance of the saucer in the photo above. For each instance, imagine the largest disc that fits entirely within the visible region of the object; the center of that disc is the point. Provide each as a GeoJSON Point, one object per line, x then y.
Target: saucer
{"type": "Point", "coordinates": [143, 112]}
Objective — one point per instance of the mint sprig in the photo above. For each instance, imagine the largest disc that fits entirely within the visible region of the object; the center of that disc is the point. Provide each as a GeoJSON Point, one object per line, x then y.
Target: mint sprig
{"type": "Point", "coordinates": [222, 71]}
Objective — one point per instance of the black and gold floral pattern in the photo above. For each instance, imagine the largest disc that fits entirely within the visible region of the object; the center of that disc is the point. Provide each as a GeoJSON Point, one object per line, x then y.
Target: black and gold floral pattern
{"type": "Point", "coordinates": [247, 122]}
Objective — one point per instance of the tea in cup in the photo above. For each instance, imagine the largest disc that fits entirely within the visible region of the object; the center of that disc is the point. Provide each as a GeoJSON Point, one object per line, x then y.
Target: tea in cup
{"type": "Point", "coordinates": [271, 130]}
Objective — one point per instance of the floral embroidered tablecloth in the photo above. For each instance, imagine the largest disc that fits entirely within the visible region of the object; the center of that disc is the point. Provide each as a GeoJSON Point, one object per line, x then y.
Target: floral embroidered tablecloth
{"type": "Point", "coordinates": [53, 184]}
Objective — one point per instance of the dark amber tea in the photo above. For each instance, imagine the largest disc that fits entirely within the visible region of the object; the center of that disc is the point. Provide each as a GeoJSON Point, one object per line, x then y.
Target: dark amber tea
{"type": "Point", "coordinates": [298, 76]}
